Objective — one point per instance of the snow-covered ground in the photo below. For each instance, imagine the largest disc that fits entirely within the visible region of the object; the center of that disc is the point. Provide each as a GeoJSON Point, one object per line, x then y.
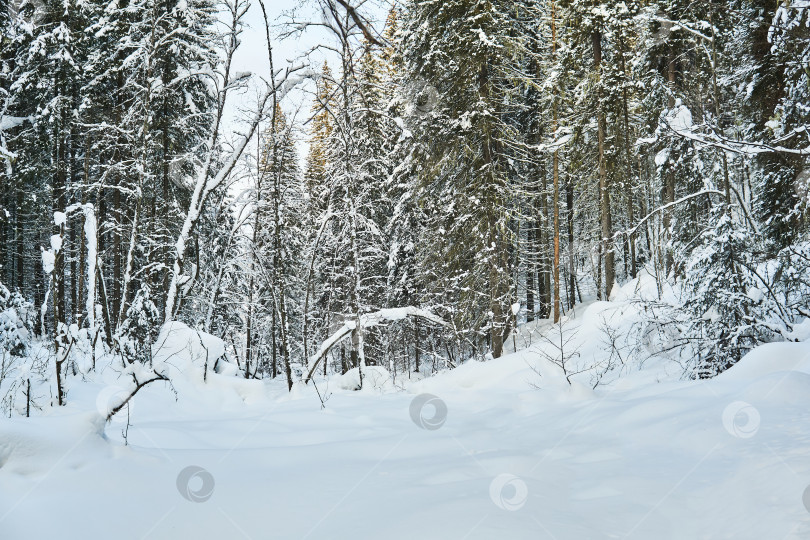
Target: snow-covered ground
{"type": "Point", "coordinates": [504, 449]}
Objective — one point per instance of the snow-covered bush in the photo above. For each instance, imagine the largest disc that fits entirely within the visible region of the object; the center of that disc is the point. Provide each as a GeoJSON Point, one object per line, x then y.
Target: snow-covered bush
{"type": "Point", "coordinates": [18, 366]}
{"type": "Point", "coordinates": [791, 271]}
{"type": "Point", "coordinates": [734, 296]}
{"type": "Point", "coordinates": [727, 310]}
{"type": "Point", "coordinates": [560, 347]}
{"type": "Point", "coordinates": [660, 332]}
{"type": "Point", "coordinates": [138, 332]}
{"type": "Point", "coordinates": [16, 323]}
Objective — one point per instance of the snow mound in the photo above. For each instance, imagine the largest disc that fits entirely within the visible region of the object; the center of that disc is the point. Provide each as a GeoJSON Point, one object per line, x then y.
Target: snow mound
{"type": "Point", "coordinates": [195, 363]}
{"type": "Point", "coordinates": [526, 335]}
{"type": "Point", "coordinates": [32, 448]}
{"type": "Point", "coordinates": [184, 348]}
{"type": "Point", "coordinates": [801, 331]}
{"type": "Point", "coordinates": [376, 379]}
{"type": "Point", "coordinates": [509, 371]}
{"type": "Point", "coordinates": [768, 359]}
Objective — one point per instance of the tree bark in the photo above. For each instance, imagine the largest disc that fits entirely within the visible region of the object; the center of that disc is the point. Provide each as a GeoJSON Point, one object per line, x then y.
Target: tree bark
{"type": "Point", "coordinates": [669, 176]}
{"type": "Point", "coordinates": [556, 182]}
{"type": "Point", "coordinates": [604, 191]}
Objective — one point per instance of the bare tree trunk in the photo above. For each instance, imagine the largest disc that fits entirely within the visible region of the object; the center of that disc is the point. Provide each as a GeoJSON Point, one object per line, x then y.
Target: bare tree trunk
{"type": "Point", "coordinates": [543, 268]}
{"type": "Point", "coordinates": [274, 345]}
{"type": "Point", "coordinates": [279, 294]}
{"type": "Point", "coordinates": [133, 235]}
{"type": "Point", "coordinates": [59, 203]}
{"type": "Point", "coordinates": [284, 344]}
{"type": "Point", "coordinates": [572, 264]}
{"type": "Point", "coordinates": [718, 112]}
{"type": "Point", "coordinates": [249, 328]}
{"type": "Point", "coordinates": [556, 181]}
{"type": "Point", "coordinates": [206, 182]}
{"type": "Point", "coordinates": [416, 343]}
{"type": "Point", "coordinates": [83, 247]}
{"type": "Point", "coordinates": [669, 177]}
{"type": "Point", "coordinates": [117, 234]}
{"type": "Point", "coordinates": [497, 271]}
{"type": "Point", "coordinates": [604, 191]}
{"type": "Point", "coordinates": [530, 275]}
{"type": "Point", "coordinates": [629, 194]}
{"type": "Point", "coordinates": [20, 237]}
{"type": "Point", "coordinates": [105, 307]}
{"type": "Point", "coordinates": [357, 356]}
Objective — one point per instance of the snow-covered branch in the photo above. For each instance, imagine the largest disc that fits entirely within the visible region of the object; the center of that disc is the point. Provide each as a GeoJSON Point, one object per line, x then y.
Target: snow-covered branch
{"type": "Point", "coordinates": [369, 320]}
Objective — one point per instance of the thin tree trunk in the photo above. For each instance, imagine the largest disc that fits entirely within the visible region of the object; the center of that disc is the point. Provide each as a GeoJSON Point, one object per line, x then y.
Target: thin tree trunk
{"type": "Point", "coordinates": [249, 328]}
{"type": "Point", "coordinates": [274, 345]}
{"type": "Point", "coordinates": [530, 275]}
{"type": "Point", "coordinates": [498, 326]}
{"type": "Point", "coordinates": [416, 343]}
{"type": "Point", "coordinates": [556, 187]}
{"type": "Point", "coordinates": [572, 268]}
{"type": "Point", "coordinates": [629, 194]}
{"type": "Point", "coordinates": [669, 177]}
{"type": "Point", "coordinates": [718, 111]}
{"type": "Point", "coordinates": [604, 191]}
{"type": "Point", "coordinates": [19, 234]}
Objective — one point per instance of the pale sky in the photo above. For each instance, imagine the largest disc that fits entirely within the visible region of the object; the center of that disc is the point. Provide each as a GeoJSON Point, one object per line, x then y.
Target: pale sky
{"type": "Point", "coordinates": [252, 54]}
{"type": "Point", "coordinates": [252, 57]}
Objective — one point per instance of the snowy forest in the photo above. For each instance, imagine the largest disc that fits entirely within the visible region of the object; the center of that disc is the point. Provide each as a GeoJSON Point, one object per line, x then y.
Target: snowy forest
{"type": "Point", "coordinates": [574, 198]}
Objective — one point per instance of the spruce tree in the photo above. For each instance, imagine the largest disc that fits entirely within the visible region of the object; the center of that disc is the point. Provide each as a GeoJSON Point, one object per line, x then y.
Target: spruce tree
{"type": "Point", "coordinates": [463, 49]}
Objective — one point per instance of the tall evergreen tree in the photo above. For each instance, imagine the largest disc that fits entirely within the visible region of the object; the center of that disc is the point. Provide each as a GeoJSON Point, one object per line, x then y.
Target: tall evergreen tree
{"type": "Point", "coordinates": [464, 50]}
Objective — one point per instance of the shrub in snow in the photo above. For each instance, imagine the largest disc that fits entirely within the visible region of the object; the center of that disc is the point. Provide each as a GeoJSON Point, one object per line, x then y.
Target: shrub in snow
{"type": "Point", "coordinates": [16, 367]}
{"type": "Point", "coordinates": [659, 330]}
{"type": "Point", "coordinates": [180, 349]}
{"type": "Point", "coordinates": [560, 347]}
{"type": "Point", "coordinates": [375, 379]}
{"type": "Point", "coordinates": [179, 355]}
{"type": "Point", "coordinates": [724, 318]}
{"type": "Point", "coordinates": [16, 323]}
{"type": "Point", "coordinates": [141, 327]}
{"type": "Point", "coordinates": [791, 271]}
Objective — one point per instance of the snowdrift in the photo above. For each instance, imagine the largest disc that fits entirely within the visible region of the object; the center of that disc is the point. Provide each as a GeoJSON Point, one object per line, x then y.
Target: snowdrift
{"type": "Point", "coordinates": [612, 444]}
{"type": "Point", "coordinates": [184, 349]}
